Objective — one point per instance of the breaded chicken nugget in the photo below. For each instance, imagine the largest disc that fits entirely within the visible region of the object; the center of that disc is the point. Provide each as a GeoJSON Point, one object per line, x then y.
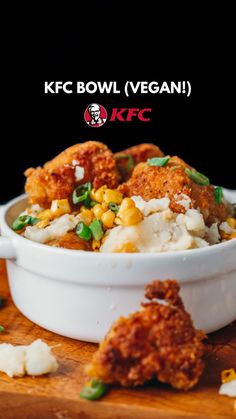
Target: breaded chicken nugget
{"type": "Point", "coordinates": [71, 241]}
{"type": "Point", "coordinates": [171, 180]}
{"type": "Point", "coordinates": [138, 153]}
{"type": "Point", "coordinates": [57, 178]}
{"type": "Point", "coordinates": [159, 341]}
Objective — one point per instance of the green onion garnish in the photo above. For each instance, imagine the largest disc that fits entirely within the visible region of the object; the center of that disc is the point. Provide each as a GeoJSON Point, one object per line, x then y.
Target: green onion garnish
{"type": "Point", "coordinates": [158, 161]}
{"type": "Point", "coordinates": [83, 231]}
{"type": "Point", "coordinates": [95, 391]}
{"type": "Point", "coordinates": [2, 301]}
{"type": "Point", "coordinates": [24, 220]}
{"type": "Point", "coordinates": [82, 194]}
{"type": "Point", "coordinates": [113, 207]}
{"type": "Point", "coordinates": [96, 229]}
{"type": "Point", "coordinates": [197, 177]}
{"type": "Point", "coordinates": [218, 194]}
{"type": "Point", "coordinates": [130, 161]}
{"type": "Point", "coordinates": [2, 329]}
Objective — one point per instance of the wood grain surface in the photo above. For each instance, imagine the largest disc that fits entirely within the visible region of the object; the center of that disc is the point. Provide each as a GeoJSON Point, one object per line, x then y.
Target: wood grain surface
{"type": "Point", "coordinates": [57, 395]}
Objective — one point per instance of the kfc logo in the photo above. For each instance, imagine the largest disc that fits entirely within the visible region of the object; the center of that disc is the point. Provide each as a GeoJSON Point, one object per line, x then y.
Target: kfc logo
{"type": "Point", "coordinates": [95, 115]}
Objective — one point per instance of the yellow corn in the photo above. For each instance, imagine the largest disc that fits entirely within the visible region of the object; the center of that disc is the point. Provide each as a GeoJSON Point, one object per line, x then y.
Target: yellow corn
{"type": "Point", "coordinates": [43, 223]}
{"type": "Point", "coordinates": [127, 203]}
{"type": "Point", "coordinates": [231, 222]}
{"type": "Point", "coordinates": [98, 211]}
{"type": "Point", "coordinates": [233, 235]}
{"type": "Point", "coordinates": [96, 244]}
{"type": "Point", "coordinates": [112, 196]}
{"type": "Point", "coordinates": [46, 215]}
{"type": "Point", "coordinates": [127, 248]}
{"type": "Point", "coordinates": [104, 205]}
{"type": "Point", "coordinates": [108, 218]}
{"type": "Point", "coordinates": [86, 216]}
{"type": "Point", "coordinates": [98, 195]}
{"type": "Point", "coordinates": [228, 375]}
{"type": "Point", "coordinates": [61, 206]}
{"type": "Point", "coordinates": [92, 194]}
{"type": "Point", "coordinates": [130, 216]}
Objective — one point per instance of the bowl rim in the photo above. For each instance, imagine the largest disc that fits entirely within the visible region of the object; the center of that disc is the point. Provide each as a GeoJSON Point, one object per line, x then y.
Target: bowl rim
{"type": "Point", "coordinates": [13, 236]}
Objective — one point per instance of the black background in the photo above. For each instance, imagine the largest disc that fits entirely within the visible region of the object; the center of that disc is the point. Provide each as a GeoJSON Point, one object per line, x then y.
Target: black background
{"type": "Point", "coordinates": [113, 40]}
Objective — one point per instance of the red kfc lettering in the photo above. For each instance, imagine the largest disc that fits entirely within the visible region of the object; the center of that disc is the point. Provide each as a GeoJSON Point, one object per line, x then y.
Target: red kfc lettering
{"type": "Point", "coordinates": [129, 114]}
{"type": "Point", "coordinates": [117, 114]}
{"type": "Point", "coordinates": [141, 116]}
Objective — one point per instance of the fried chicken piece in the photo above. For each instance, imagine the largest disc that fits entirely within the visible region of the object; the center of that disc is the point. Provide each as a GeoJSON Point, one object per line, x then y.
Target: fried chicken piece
{"type": "Point", "coordinates": [71, 241]}
{"type": "Point", "coordinates": [139, 153]}
{"type": "Point", "coordinates": [56, 180]}
{"type": "Point", "coordinates": [159, 341]}
{"type": "Point", "coordinates": [171, 180]}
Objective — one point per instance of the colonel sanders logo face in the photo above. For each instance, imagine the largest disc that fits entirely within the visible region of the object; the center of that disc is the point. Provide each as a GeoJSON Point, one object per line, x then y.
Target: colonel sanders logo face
{"type": "Point", "coordinates": [95, 115]}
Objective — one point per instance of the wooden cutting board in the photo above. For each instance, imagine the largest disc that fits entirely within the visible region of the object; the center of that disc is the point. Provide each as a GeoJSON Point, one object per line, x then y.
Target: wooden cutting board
{"type": "Point", "coordinates": [57, 395]}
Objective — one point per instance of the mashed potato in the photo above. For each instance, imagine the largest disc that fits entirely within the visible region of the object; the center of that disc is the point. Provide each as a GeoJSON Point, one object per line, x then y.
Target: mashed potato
{"type": "Point", "coordinates": [162, 229]}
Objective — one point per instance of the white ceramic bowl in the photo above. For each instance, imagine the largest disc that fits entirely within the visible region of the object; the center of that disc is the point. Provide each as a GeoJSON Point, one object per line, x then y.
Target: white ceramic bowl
{"type": "Point", "coordinates": [79, 294]}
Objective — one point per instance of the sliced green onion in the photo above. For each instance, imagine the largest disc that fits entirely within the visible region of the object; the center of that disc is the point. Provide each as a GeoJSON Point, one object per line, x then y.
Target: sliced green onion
{"type": "Point", "coordinates": [130, 161]}
{"type": "Point", "coordinates": [113, 207]}
{"type": "Point", "coordinates": [2, 329]}
{"type": "Point", "coordinates": [2, 301]}
{"type": "Point", "coordinates": [95, 391]}
{"type": "Point", "coordinates": [158, 161]}
{"type": "Point", "coordinates": [197, 177]}
{"type": "Point", "coordinates": [218, 194]}
{"type": "Point", "coordinates": [24, 220]}
{"type": "Point", "coordinates": [83, 231]}
{"type": "Point", "coordinates": [96, 229]}
{"type": "Point", "coordinates": [82, 194]}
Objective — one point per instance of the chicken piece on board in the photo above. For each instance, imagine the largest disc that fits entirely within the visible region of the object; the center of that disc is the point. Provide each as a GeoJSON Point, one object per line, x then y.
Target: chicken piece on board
{"type": "Point", "coordinates": [87, 162]}
{"type": "Point", "coordinates": [159, 341]}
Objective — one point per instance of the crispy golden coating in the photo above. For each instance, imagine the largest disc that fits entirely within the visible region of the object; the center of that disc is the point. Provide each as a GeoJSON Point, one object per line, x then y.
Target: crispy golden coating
{"type": "Point", "coordinates": [56, 180]}
{"type": "Point", "coordinates": [71, 241]}
{"type": "Point", "coordinates": [139, 153]}
{"type": "Point", "coordinates": [157, 342]}
{"type": "Point", "coordinates": [156, 182]}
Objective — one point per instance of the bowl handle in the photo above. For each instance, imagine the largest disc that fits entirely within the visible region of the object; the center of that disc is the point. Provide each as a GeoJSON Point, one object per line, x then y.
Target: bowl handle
{"type": "Point", "coordinates": [7, 250]}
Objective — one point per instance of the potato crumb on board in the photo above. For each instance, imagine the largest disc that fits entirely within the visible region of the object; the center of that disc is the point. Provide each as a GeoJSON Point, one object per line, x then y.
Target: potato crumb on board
{"type": "Point", "coordinates": [35, 359]}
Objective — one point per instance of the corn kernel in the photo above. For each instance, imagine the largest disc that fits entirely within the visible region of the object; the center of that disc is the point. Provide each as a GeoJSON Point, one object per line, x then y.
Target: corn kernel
{"type": "Point", "coordinates": [98, 211]}
{"type": "Point", "coordinates": [127, 203]}
{"type": "Point", "coordinates": [130, 216]}
{"type": "Point", "coordinates": [43, 223]}
{"type": "Point", "coordinates": [98, 195]}
{"type": "Point", "coordinates": [228, 375]}
{"type": "Point", "coordinates": [46, 214]}
{"type": "Point", "coordinates": [233, 235]}
{"type": "Point", "coordinates": [61, 206]}
{"type": "Point", "coordinates": [108, 218]}
{"type": "Point", "coordinates": [104, 205]}
{"type": "Point", "coordinates": [86, 216]}
{"type": "Point", "coordinates": [127, 248]}
{"type": "Point", "coordinates": [231, 222]}
{"type": "Point", "coordinates": [112, 196]}
{"type": "Point", "coordinates": [92, 194]}
{"type": "Point", "coordinates": [96, 244]}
